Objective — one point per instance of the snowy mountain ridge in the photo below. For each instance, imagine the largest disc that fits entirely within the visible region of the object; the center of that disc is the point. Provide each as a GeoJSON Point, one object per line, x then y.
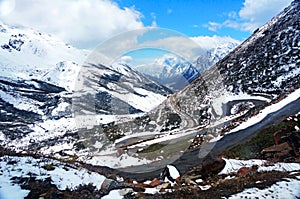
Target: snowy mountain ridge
{"type": "Point", "coordinates": [43, 153]}
{"type": "Point", "coordinates": [255, 83]}
{"type": "Point", "coordinates": [38, 89]}
{"type": "Point", "coordinates": [175, 72]}
{"type": "Point", "coordinates": [29, 54]}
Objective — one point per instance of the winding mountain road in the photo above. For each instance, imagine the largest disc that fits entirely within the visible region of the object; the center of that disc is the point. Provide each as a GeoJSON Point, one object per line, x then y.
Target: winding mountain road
{"type": "Point", "coordinates": [194, 158]}
{"type": "Point", "coordinates": [189, 121]}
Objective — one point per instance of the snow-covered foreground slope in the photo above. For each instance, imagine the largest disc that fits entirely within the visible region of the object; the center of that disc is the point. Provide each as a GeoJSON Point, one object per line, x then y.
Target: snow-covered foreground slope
{"type": "Point", "coordinates": [287, 188]}
{"type": "Point", "coordinates": [63, 176]}
{"type": "Point", "coordinates": [18, 172]}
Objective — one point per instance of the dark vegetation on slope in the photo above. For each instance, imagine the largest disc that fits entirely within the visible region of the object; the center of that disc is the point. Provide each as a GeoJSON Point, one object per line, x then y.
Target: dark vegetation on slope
{"type": "Point", "coordinates": [265, 65]}
{"type": "Point", "coordinates": [263, 139]}
{"type": "Point", "coordinates": [255, 68]}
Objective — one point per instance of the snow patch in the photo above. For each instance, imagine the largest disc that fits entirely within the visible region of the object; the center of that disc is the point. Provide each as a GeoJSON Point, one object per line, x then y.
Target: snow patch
{"type": "Point", "coordinates": [232, 166]}
{"type": "Point", "coordinates": [270, 109]}
{"type": "Point", "coordinates": [288, 189]}
{"type": "Point", "coordinates": [63, 176]}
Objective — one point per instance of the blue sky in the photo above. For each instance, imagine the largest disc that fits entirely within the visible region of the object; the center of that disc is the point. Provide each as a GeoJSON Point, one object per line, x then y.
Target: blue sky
{"type": "Point", "coordinates": [85, 24]}
{"type": "Point", "coordinates": [189, 17]}
{"type": "Point", "coordinates": [234, 18]}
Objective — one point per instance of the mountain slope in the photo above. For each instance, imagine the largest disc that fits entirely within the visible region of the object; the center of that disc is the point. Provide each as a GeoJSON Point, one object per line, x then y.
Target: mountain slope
{"type": "Point", "coordinates": [253, 83]}
{"type": "Point", "coordinates": [117, 83]}
{"type": "Point", "coordinates": [250, 82]}
{"type": "Point", "coordinates": [29, 54]}
{"type": "Point", "coordinates": [264, 67]}
{"type": "Point", "coordinates": [38, 91]}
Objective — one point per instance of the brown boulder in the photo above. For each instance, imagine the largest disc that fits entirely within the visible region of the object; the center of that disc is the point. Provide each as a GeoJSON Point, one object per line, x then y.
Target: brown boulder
{"type": "Point", "coordinates": [277, 148]}
{"type": "Point", "coordinates": [247, 170]}
{"type": "Point", "coordinates": [212, 166]}
{"type": "Point", "coordinates": [278, 152]}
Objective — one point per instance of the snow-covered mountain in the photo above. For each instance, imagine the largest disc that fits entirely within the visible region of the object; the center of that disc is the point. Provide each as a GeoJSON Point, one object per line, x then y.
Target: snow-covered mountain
{"type": "Point", "coordinates": [257, 82]}
{"type": "Point", "coordinates": [28, 54]}
{"type": "Point", "coordinates": [39, 91]}
{"type": "Point", "coordinates": [216, 48]}
{"type": "Point", "coordinates": [176, 73]}
{"type": "Point", "coordinates": [45, 154]}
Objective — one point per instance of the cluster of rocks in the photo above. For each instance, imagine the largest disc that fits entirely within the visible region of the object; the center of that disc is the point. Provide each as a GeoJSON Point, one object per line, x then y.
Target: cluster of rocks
{"type": "Point", "coordinates": [287, 147]}
{"type": "Point", "coordinates": [287, 144]}
{"type": "Point", "coordinates": [169, 177]}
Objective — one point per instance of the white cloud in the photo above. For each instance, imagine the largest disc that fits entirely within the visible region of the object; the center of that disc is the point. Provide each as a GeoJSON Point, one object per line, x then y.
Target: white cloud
{"type": "Point", "coordinates": [231, 24]}
{"type": "Point", "coordinates": [81, 23]}
{"type": "Point", "coordinates": [256, 13]}
{"type": "Point", "coordinates": [213, 26]}
{"type": "Point", "coordinates": [207, 42]}
{"type": "Point", "coordinates": [262, 10]}
{"type": "Point", "coordinates": [252, 15]}
{"type": "Point", "coordinates": [154, 23]}
{"type": "Point", "coordinates": [179, 45]}
{"type": "Point", "coordinates": [6, 7]}
{"type": "Point", "coordinates": [126, 59]}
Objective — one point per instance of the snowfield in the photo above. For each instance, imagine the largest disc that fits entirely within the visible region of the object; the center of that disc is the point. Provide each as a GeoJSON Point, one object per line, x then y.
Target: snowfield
{"type": "Point", "coordinates": [232, 166]}
{"type": "Point", "coordinates": [287, 189]}
{"type": "Point", "coordinates": [39, 56]}
{"type": "Point", "coordinates": [270, 109]}
{"type": "Point", "coordinates": [262, 114]}
{"type": "Point", "coordinates": [63, 176]}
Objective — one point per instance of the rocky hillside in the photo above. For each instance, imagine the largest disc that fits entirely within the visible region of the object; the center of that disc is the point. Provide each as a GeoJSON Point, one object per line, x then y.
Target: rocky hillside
{"type": "Point", "coordinates": [264, 68]}
{"type": "Point", "coordinates": [251, 85]}
{"type": "Point", "coordinates": [37, 91]}
{"type": "Point", "coordinates": [246, 106]}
